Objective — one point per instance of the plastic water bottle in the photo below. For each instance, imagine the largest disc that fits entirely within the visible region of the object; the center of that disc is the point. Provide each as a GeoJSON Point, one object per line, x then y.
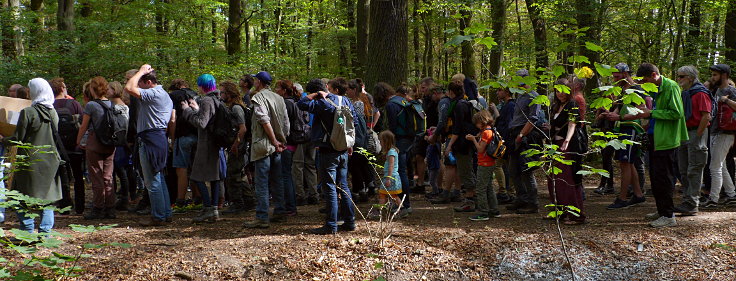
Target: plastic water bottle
{"type": "Point", "coordinates": [452, 158]}
{"type": "Point", "coordinates": [340, 120]}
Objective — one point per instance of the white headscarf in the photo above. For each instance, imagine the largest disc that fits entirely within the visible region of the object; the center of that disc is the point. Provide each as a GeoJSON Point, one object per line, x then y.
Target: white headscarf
{"type": "Point", "coordinates": [41, 92]}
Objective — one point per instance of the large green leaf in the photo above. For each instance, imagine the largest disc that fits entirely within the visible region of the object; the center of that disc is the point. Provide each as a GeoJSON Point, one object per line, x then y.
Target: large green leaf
{"type": "Point", "coordinates": [458, 39]}
{"type": "Point", "coordinates": [489, 42]}
{"type": "Point", "coordinates": [604, 70]}
{"type": "Point", "coordinates": [593, 47]}
{"type": "Point", "coordinates": [650, 87]}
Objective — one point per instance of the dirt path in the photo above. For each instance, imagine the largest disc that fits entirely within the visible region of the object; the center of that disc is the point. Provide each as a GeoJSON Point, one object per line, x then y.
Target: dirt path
{"type": "Point", "coordinates": [435, 243]}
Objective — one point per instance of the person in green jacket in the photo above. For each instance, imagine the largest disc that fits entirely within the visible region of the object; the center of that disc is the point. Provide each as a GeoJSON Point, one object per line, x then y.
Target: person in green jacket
{"type": "Point", "coordinates": [666, 131]}
{"type": "Point", "coordinates": [35, 127]}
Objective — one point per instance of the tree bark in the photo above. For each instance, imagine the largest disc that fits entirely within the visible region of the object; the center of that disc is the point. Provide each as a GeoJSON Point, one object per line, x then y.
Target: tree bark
{"type": "Point", "coordinates": [730, 32]}
{"type": "Point", "coordinates": [38, 23]}
{"type": "Point", "coordinates": [540, 34]}
{"type": "Point", "coordinates": [467, 52]}
{"type": "Point", "coordinates": [12, 42]}
{"type": "Point", "coordinates": [692, 48]}
{"type": "Point", "coordinates": [387, 45]}
{"type": "Point", "coordinates": [415, 38]}
{"type": "Point", "coordinates": [428, 45]}
{"type": "Point", "coordinates": [588, 16]}
{"type": "Point", "coordinates": [498, 24]}
{"type": "Point", "coordinates": [234, 29]}
{"type": "Point", "coordinates": [361, 32]}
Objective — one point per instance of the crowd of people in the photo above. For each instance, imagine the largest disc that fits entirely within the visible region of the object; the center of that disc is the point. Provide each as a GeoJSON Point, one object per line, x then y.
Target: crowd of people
{"type": "Point", "coordinates": [239, 146]}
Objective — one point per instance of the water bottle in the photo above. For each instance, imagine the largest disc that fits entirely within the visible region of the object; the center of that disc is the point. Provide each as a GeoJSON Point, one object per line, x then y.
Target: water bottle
{"type": "Point", "coordinates": [452, 158]}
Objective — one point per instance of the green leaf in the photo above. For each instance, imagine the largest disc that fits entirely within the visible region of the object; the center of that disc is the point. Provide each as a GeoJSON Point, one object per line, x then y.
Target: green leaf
{"type": "Point", "coordinates": [121, 245]}
{"type": "Point", "coordinates": [593, 47]}
{"type": "Point", "coordinates": [457, 40]}
{"type": "Point", "coordinates": [578, 59]}
{"type": "Point", "coordinates": [517, 91]}
{"type": "Point", "coordinates": [616, 144]}
{"type": "Point", "coordinates": [531, 164]}
{"type": "Point", "coordinates": [50, 243]}
{"type": "Point", "coordinates": [378, 265]}
{"type": "Point", "coordinates": [650, 87]}
{"type": "Point", "coordinates": [4, 273]}
{"type": "Point", "coordinates": [24, 249]}
{"type": "Point", "coordinates": [93, 246]}
{"type": "Point", "coordinates": [541, 99]}
{"type": "Point", "coordinates": [83, 228]}
{"type": "Point", "coordinates": [604, 70]}
{"type": "Point", "coordinates": [562, 89]}
{"type": "Point", "coordinates": [476, 29]}
{"type": "Point", "coordinates": [489, 42]}
{"type": "Point", "coordinates": [555, 170]}
{"type": "Point", "coordinates": [602, 103]}
{"type": "Point", "coordinates": [584, 173]}
{"type": "Point", "coordinates": [633, 99]}
{"type": "Point", "coordinates": [558, 70]}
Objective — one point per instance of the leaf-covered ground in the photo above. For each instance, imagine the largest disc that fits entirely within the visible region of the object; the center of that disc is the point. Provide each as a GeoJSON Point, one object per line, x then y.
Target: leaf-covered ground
{"type": "Point", "coordinates": [435, 243]}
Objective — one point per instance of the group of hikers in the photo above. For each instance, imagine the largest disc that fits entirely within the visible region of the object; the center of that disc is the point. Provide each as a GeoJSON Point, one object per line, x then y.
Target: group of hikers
{"type": "Point", "coordinates": [250, 144]}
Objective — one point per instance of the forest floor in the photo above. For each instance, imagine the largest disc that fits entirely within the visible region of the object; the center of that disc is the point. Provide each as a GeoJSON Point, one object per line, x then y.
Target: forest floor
{"type": "Point", "coordinates": [434, 243]}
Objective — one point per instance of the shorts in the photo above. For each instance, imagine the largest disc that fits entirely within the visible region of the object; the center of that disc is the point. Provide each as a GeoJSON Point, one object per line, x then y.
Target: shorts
{"type": "Point", "coordinates": [184, 151]}
{"type": "Point", "coordinates": [632, 152]}
{"type": "Point", "coordinates": [420, 146]}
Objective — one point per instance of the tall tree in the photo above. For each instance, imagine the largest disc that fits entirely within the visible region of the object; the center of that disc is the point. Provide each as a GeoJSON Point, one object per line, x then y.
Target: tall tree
{"type": "Point", "coordinates": [730, 32]}
{"type": "Point", "coordinates": [498, 24]}
{"type": "Point", "coordinates": [540, 33]}
{"type": "Point", "coordinates": [692, 48]}
{"type": "Point", "coordinates": [235, 22]}
{"type": "Point", "coordinates": [387, 44]}
{"type": "Point", "coordinates": [361, 34]}
{"type": "Point", "coordinates": [587, 15]}
{"type": "Point", "coordinates": [12, 40]}
{"type": "Point", "coordinates": [38, 22]}
{"type": "Point", "coordinates": [466, 48]}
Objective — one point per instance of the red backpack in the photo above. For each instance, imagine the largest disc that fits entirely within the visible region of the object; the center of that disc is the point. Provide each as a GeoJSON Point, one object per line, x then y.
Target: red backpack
{"type": "Point", "coordinates": [726, 120]}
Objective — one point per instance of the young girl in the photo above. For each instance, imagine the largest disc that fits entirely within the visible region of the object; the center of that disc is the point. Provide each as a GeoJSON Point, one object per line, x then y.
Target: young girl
{"type": "Point", "coordinates": [392, 184]}
{"type": "Point", "coordinates": [486, 202]}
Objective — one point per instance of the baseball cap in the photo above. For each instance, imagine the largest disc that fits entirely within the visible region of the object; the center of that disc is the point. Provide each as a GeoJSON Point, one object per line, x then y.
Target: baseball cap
{"type": "Point", "coordinates": [722, 68]}
{"type": "Point", "coordinates": [263, 77]}
{"type": "Point", "coordinates": [622, 67]}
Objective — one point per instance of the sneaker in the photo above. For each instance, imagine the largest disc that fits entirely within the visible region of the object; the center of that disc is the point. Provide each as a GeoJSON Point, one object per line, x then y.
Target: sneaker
{"type": "Point", "coordinates": [663, 222]}
{"type": "Point", "coordinates": [636, 200]}
{"type": "Point", "coordinates": [403, 213]}
{"type": "Point", "coordinates": [729, 201]}
{"type": "Point", "coordinates": [686, 209]}
{"type": "Point", "coordinates": [151, 222]}
{"type": "Point", "coordinates": [479, 218]}
{"type": "Point", "coordinates": [144, 212]}
{"type": "Point", "coordinates": [618, 204]}
{"type": "Point", "coordinates": [514, 206]}
{"type": "Point", "coordinates": [346, 227]}
{"type": "Point", "coordinates": [603, 190]}
{"type": "Point", "coordinates": [704, 198]}
{"type": "Point", "coordinates": [442, 198]}
{"type": "Point", "coordinates": [278, 217]}
{"type": "Point", "coordinates": [256, 224]}
{"type": "Point", "coordinates": [468, 206]}
{"type": "Point", "coordinates": [324, 230]}
{"type": "Point", "coordinates": [709, 204]}
{"type": "Point", "coordinates": [652, 216]}
{"type": "Point", "coordinates": [233, 209]}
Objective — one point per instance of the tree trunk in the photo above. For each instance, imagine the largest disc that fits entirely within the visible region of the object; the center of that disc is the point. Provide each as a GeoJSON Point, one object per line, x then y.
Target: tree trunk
{"type": "Point", "coordinates": [387, 44]}
{"type": "Point", "coordinates": [498, 24]}
{"type": "Point", "coordinates": [588, 16]}
{"type": "Point", "coordinates": [352, 42]}
{"type": "Point", "coordinates": [309, 42]}
{"type": "Point", "coordinates": [692, 48]}
{"type": "Point", "coordinates": [233, 30]}
{"type": "Point", "coordinates": [264, 28]}
{"type": "Point", "coordinates": [361, 32]}
{"type": "Point", "coordinates": [38, 23]}
{"type": "Point", "coordinates": [730, 32]}
{"type": "Point", "coordinates": [678, 37]}
{"type": "Point", "coordinates": [12, 40]}
{"type": "Point", "coordinates": [467, 52]}
{"type": "Point", "coordinates": [540, 34]}
{"type": "Point", "coordinates": [415, 38]}
{"type": "Point", "coordinates": [428, 45]}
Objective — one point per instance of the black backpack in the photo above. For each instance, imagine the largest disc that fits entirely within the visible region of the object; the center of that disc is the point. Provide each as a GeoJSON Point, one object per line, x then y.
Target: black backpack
{"type": "Point", "coordinates": [496, 148]}
{"type": "Point", "coordinates": [68, 128]}
{"type": "Point", "coordinates": [112, 130]}
{"type": "Point", "coordinates": [223, 127]}
{"type": "Point", "coordinates": [412, 119]}
{"type": "Point", "coordinates": [299, 128]}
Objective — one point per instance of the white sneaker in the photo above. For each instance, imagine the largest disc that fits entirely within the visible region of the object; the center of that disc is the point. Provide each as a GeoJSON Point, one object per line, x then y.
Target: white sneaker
{"type": "Point", "coordinates": [663, 222]}
{"type": "Point", "coordinates": [652, 216]}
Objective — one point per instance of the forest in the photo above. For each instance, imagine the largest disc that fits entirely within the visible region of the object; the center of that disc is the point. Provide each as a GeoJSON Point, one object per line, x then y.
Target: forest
{"type": "Point", "coordinates": [395, 41]}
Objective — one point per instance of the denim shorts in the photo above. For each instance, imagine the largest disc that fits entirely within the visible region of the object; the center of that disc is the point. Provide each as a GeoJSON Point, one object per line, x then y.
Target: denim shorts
{"type": "Point", "coordinates": [184, 151]}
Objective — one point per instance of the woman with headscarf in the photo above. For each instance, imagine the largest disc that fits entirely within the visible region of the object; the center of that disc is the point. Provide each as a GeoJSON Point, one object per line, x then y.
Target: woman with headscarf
{"type": "Point", "coordinates": [37, 127]}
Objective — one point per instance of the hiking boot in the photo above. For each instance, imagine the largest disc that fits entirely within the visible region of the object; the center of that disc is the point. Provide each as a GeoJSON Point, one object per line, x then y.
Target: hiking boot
{"type": "Point", "coordinates": [514, 206]}
{"type": "Point", "coordinates": [403, 213]}
{"type": "Point", "coordinates": [324, 230]}
{"type": "Point", "coordinates": [503, 198]}
{"type": "Point", "coordinates": [419, 189]}
{"type": "Point", "coordinates": [442, 198]}
{"type": "Point", "coordinates": [636, 201]}
{"type": "Point", "coordinates": [652, 216]}
{"type": "Point", "coordinates": [109, 213]}
{"type": "Point", "coordinates": [121, 204]}
{"type": "Point", "coordinates": [278, 217]}
{"type": "Point", "coordinates": [729, 201]}
{"type": "Point", "coordinates": [618, 204]}
{"type": "Point", "coordinates": [312, 200]}
{"type": "Point", "coordinates": [256, 224]}
{"type": "Point", "coordinates": [686, 209]}
{"type": "Point", "coordinates": [233, 209]}
{"type": "Point", "coordinates": [709, 204]}
{"type": "Point", "coordinates": [529, 209]}
{"type": "Point", "coordinates": [467, 206]}
{"type": "Point", "coordinates": [151, 222]}
{"type": "Point", "coordinates": [346, 227]}
{"type": "Point", "coordinates": [208, 214]}
{"type": "Point", "coordinates": [663, 222]}
{"type": "Point", "coordinates": [95, 214]}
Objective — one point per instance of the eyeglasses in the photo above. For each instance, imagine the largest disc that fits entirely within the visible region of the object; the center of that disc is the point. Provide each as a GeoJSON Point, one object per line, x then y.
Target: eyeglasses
{"type": "Point", "coordinates": [681, 76]}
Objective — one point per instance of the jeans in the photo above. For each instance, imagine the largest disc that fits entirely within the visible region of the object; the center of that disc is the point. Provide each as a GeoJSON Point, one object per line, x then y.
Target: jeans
{"type": "Point", "coordinates": [719, 176]}
{"type": "Point", "coordinates": [158, 192]}
{"type": "Point", "coordinates": [404, 144]}
{"type": "Point", "coordinates": [209, 199]}
{"type": "Point", "coordinates": [692, 156]}
{"type": "Point", "coordinates": [486, 202]}
{"type": "Point", "coordinates": [523, 179]}
{"type": "Point", "coordinates": [28, 224]}
{"type": "Point", "coordinates": [268, 174]}
{"type": "Point", "coordinates": [288, 181]}
{"type": "Point", "coordinates": [333, 169]}
{"type": "Point", "coordinates": [662, 176]}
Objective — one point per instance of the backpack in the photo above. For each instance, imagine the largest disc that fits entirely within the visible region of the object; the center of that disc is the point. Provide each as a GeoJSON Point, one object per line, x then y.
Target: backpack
{"type": "Point", "coordinates": [223, 126]}
{"type": "Point", "coordinates": [68, 127]}
{"type": "Point", "coordinates": [299, 124]}
{"type": "Point", "coordinates": [342, 136]}
{"type": "Point", "coordinates": [373, 143]}
{"type": "Point", "coordinates": [412, 119]}
{"type": "Point", "coordinates": [112, 130]}
{"type": "Point", "coordinates": [476, 106]}
{"type": "Point", "coordinates": [496, 148]}
{"type": "Point", "coordinates": [361, 133]}
{"type": "Point", "coordinates": [726, 117]}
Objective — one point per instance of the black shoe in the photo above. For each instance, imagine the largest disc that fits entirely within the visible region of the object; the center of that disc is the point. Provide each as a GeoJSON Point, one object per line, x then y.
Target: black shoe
{"type": "Point", "coordinates": [144, 212]}
{"type": "Point", "coordinates": [324, 230]}
{"type": "Point", "coordinates": [312, 201]}
{"type": "Point", "coordinates": [686, 209]}
{"type": "Point", "coordinates": [121, 204]}
{"type": "Point", "coordinates": [346, 227]}
{"type": "Point", "coordinates": [515, 206]}
{"type": "Point", "coordinates": [109, 213]}
{"type": "Point", "coordinates": [603, 190]}
{"type": "Point", "coordinates": [418, 190]}
{"type": "Point", "coordinates": [278, 218]}
{"type": "Point", "coordinates": [441, 199]}
{"type": "Point", "coordinates": [233, 209]}
{"type": "Point", "coordinates": [527, 210]}
{"type": "Point", "coordinates": [95, 214]}
{"type": "Point", "coordinates": [301, 202]}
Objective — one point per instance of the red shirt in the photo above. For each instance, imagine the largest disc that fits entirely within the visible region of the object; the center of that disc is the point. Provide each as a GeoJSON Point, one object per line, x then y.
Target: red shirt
{"type": "Point", "coordinates": [582, 107]}
{"type": "Point", "coordinates": [483, 159]}
{"type": "Point", "coordinates": [701, 103]}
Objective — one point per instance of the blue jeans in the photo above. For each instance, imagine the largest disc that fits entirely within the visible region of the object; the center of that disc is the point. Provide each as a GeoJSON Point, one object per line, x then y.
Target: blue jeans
{"type": "Point", "coordinates": [28, 224]}
{"type": "Point", "coordinates": [333, 168]}
{"type": "Point", "coordinates": [404, 144]}
{"type": "Point", "coordinates": [207, 200]}
{"type": "Point", "coordinates": [158, 193]}
{"type": "Point", "coordinates": [268, 175]}
{"type": "Point", "coordinates": [288, 181]}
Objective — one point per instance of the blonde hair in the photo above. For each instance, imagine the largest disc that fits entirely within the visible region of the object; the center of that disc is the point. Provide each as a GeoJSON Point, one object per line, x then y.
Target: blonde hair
{"type": "Point", "coordinates": [388, 141]}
